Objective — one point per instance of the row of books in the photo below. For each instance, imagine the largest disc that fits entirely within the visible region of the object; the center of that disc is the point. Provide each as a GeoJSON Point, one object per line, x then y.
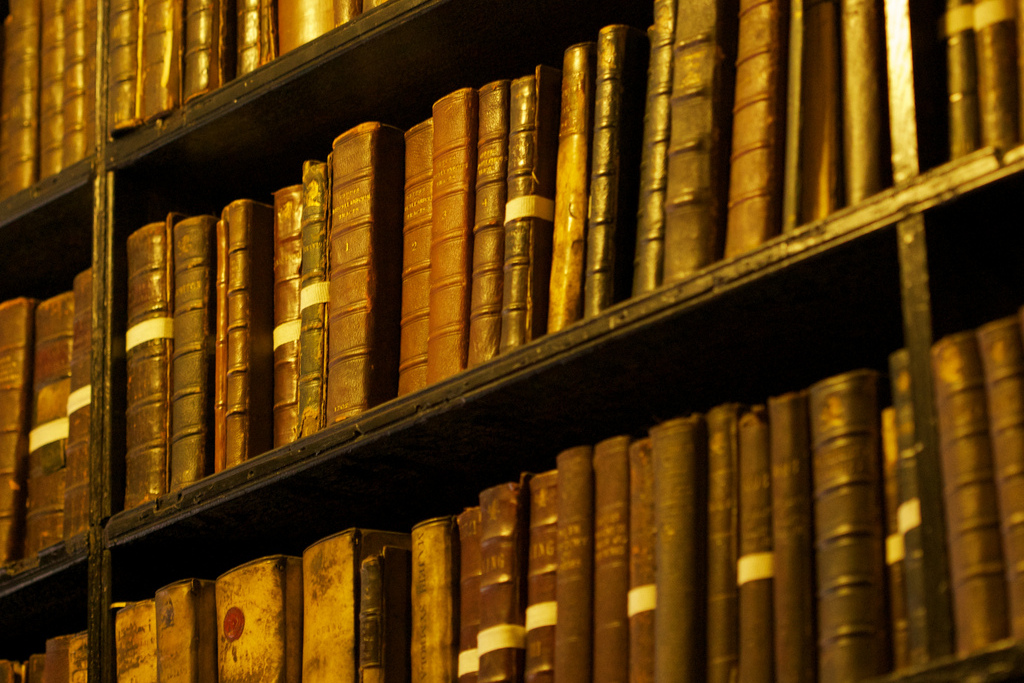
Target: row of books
{"type": "Point", "coordinates": [66, 661]}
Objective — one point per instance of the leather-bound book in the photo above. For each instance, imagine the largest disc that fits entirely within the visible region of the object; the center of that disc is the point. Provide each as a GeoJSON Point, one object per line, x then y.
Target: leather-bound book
{"type": "Point", "coordinates": [34, 668]}
{"type": "Point", "coordinates": [287, 322]}
{"type": "Point", "coordinates": [575, 577]}
{"type": "Point", "coordinates": [259, 618]}
{"type": "Point", "coordinates": [755, 567]}
{"type": "Point", "coordinates": [191, 443]}
{"type": "Point", "coordinates": [722, 549]}
{"type": "Point", "coordinates": [186, 632]}
{"type": "Point", "coordinates": [19, 102]}
{"type": "Point", "coordinates": [501, 640]}
{"type": "Point", "coordinates": [618, 128]}
{"type": "Point", "coordinates": [489, 222]}
{"type": "Point", "coordinates": [78, 658]}
{"type": "Point", "coordinates": [300, 21]}
{"type": "Point", "coordinates": [698, 155]}
{"type": "Point", "coordinates": [451, 237]}
{"type": "Point", "coordinates": [642, 598]}
{"type": "Point", "coordinates": [256, 34]}
{"type": "Point", "coordinates": [51, 384]}
{"type": "Point", "coordinates": [366, 269]}
{"type": "Point", "coordinates": [384, 617]}
{"type": "Point", "coordinates": [529, 211]}
{"type": "Point", "coordinates": [542, 581]}
{"type": "Point", "coordinates": [894, 552]}
{"type": "Point", "coordinates": [10, 672]}
{"type": "Point", "coordinates": [135, 635]}
{"type": "Point", "coordinates": [611, 560]}
{"type": "Point", "coordinates": [16, 345]}
{"type": "Point", "coordinates": [330, 594]}
{"type": "Point", "coordinates": [76, 485]}
{"type": "Point", "coordinates": [435, 601]}
{"type": "Point", "coordinates": [209, 57]}
{"type": "Point", "coordinates": [793, 539]}
{"type": "Point", "coordinates": [469, 594]}
{"type": "Point", "coordinates": [123, 66]}
{"type": "Point", "coordinates": [220, 352]}
{"type": "Point", "coordinates": [313, 297]}
{"type": "Point", "coordinates": [572, 186]}
{"type": "Point", "coordinates": [419, 166]}
{"type": "Point", "coordinates": [849, 528]}
{"type": "Point", "coordinates": [57, 662]}
{"type": "Point", "coordinates": [161, 42]}
{"type": "Point", "coordinates": [79, 138]}
{"type": "Point", "coordinates": [679, 461]}
{"type": "Point", "coordinates": [962, 73]}
{"type": "Point", "coordinates": [977, 570]}
{"type": "Point", "coordinates": [148, 346]}
{"type": "Point", "coordinates": [995, 34]}
{"type": "Point", "coordinates": [51, 89]}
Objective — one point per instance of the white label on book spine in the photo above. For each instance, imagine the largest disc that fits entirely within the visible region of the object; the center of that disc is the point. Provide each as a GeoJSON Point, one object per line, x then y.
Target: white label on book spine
{"type": "Point", "coordinates": [990, 12]}
{"type": "Point", "coordinates": [79, 398]}
{"type": "Point", "coordinates": [316, 293]}
{"type": "Point", "coordinates": [503, 637]}
{"type": "Point", "coordinates": [641, 599]}
{"type": "Point", "coordinates": [754, 567]}
{"type": "Point", "coordinates": [908, 515]}
{"type": "Point", "coordinates": [531, 206]}
{"type": "Point", "coordinates": [542, 614]}
{"type": "Point", "coordinates": [469, 662]}
{"type": "Point", "coordinates": [894, 550]}
{"type": "Point", "coordinates": [148, 330]}
{"type": "Point", "coordinates": [287, 332]}
{"type": "Point", "coordinates": [47, 433]}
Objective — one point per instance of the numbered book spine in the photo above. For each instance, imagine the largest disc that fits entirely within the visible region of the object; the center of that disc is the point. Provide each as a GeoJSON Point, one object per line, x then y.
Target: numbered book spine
{"type": "Point", "coordinates": [135, 634]}
{"type": "Point", "coordinates": [76, 485]}
{"type": "Point", "coordinates": [435, 600]}
{"type": "Point", "coordinates": [186, 632]}
{"type": "Point", "coordinates": [611, 560]}
{"type": "Point", "coordinates": [287, 323]}
{"type": "Point", "coordinates": [209, 58]}
{"type": "Point", "coordinates": [313, 297]}
{"type": "Point", "coordinates": [16, 346]}
{"type": "Point", "coordinates": [542, 581]}
{"type": "Point", "coordinates": [469, 594]}
{"type": "Point", "coordinates": [722, 549]}
{"type": "Point", "coordinates": [160, 57]}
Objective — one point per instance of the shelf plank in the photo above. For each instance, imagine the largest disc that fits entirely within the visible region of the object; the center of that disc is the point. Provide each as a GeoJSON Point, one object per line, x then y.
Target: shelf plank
{"type": "Point", "coordinates": [1003, 661]}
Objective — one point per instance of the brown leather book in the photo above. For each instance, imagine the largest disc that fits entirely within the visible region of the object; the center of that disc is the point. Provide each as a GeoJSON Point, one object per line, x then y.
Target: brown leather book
{"type": "Point", "coordinates": [894, 551]}
{"type": "Point", "coordinates": [248, 420]}
{"type": "Point", "coordinates": [995, 34]}
{"type": "Point", "coordinates": [962, 75]}
{"type": "Point", "coordinates": [316, 196]}
{"type": "Point", "coordinates": [16, 344]}
{"type": "Point", "coordinates": [287, 321]}
{"type": "Point", "coordinates": [186, 632]}
{"type": "Point", "coordinates": [57, 660]}
{"type": "Point", "coordinates": [542, 581]}
{"type": "Point", "coordinates": [501, 640]}
{"type": "Point", "coordinates": [76, 484]}
{"type": "Point", "coordinates": [256, 36]}
{"type": "Point", "coordinates": [34, 669]}
{"type": "Point", "coordinates": [642, 598]}
{"type": "Point", "coordinates": [575, 577]}
{"type": "Point", "coordinates": [572, 186]}
{"type": "Point", "coordinates": [419, 166]}
{"type": "Point", "coordinates": [489, 222]}
{"type": "Point", "coordinates": [79, 138]}
{"type": "Point", "coordinates": [755, 566]}
{"type": "Point", "coordinates": [209, 57]}
{"type": "Point", "coordinates": [51, 89]}
{"type": "Point", "coordinates": [366, 269]}
{"type": "Point", "coordinates": [220, 353]}
{"type": "Point", "coordinates": [160, 38]}
{"type": "Point", "coordinates": [722, 549]}
{"type": "Point", "coordinates": [469, 594]}
{"type": "Point", "coordinates": [300, 21]}
{"type": "Point", "coordinates": [384, 617]}
{"type": "Point", "coordinates": [78, 658]}
{"type": "Point", "coordinates": [435, 601]}
{"type": "Point", "coordinates": [191, 436]}
{"type": "Point", "coordinates": [10, 672]}
{"type": "Point", "coordinates": [451, 237]}
{"type": "Point", "coordinates": [51, 383]}
{"type": "Point", "coordinates": [123, 66]}
{"type": "Point", "coordinates": [19, 102]}
{"type": "Point", "coordinates": [611, 560]}
{"type": "Point", "coordinates": [849, 528]}
{"type": "Point", "coordinates": [135, 628]}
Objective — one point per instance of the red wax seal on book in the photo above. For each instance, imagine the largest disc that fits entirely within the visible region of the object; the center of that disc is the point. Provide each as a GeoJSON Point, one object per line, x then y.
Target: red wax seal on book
{"type": "Point", "coordinates": [234, 623]}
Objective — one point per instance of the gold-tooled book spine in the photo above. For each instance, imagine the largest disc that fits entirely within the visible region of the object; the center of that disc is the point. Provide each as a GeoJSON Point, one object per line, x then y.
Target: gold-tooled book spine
{"type": "Point", "coordinates": [186, 632]}
{"type": "Point", "coordinates": [572, 186]}
{"type": "Point", "coordinates": [300, 21]}
{"type": "Point", "coordinates": [962, 72]}
{"type": "Point", "coordinates": [542, 569]}
{"type": "Point", "coordinates": [220, 353]}
{"type": "Point", "coordinates": [78, 658]}
{"type": "Point", "coordinates": [16, 344]}
{"type": "Point", "coordinates": [34, 667]}
{"type": "Point", "coordinates": [894, 552]}
{"type": "Point", "coordinates": [256, 36]}
{"type": "Point", "coordinates": [79, 138]}
{"type": "Point", "coordinates": [57, 663]}
{"type": "Point", "coordinates": [76, 486]}
{"type": "Point", "coordinates": [611, 560]}
{"type": "Point", "coordinates": [313, 336]}
{"type": "Point", "coordinates": [722, 549]}
{"type": "Point", "coordinates": [209, 54]}
{"type": "Point", "coordinates": [996, 45]}
{"type": "Point", "coordinates": [575, 576]}
{"type": "Point", "coordinates": [469, 594]}
{"type": "Point", "coordinates": [19, 102]}
{"type": "Point", "coordinates": [489, 222]}
{"type": "Point", "coordinates": [641, 597]}
{"type": "Point", "coordinates": [51, 89]}
{"type": "Point", "coordinates": [123, 65]}
{"type": "Point", "coordinates": [435, 601]}
{"type": "Point", "coordinates": [135, 634]}
{"type": "Point", "coordinates": [287, 322]}
{"type": "Point", "coordinates": [160, 50]}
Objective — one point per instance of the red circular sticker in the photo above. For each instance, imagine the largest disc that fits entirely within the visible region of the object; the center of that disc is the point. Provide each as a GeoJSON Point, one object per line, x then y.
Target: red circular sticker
{"type": "Point", "coordinates": [234, 623]}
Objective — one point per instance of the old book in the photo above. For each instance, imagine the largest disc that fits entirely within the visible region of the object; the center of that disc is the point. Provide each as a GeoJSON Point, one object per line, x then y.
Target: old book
{"type": "Point", "coordinates": [191, 436]}
{"type": "Point", "coordinates": [51, 89]}
{"type": "Point", "coordinates": [79, 138]}
{"type": "Point", "coordinates": [469, 593]}
{"type": "Point", "coordinates": [76, 484]}
{"type": "Point", "coordinates": [698, 163]}
{"type": "Point", "coordinates": [611, 560]}
{"type": "Point", "coordinates": [287, 321]}
{"type": "Point", "coordinates": [250, 363]}
{"type": "Point", "coordinates": [370, 4]}
{"type": "Point", "coordinates": [642, 597]}
{"type": "Point", "coordinates": [572, 186]}
{"type": "Point", "coordinates": [313, 297]}
{"type": "Point", "coordinates": [259, 617]}
{"type": "Point", "coordinates": [160, 46]}
{"type": "Point", "coordinates": [793, 539]}
{"type": "Point", "coordinates": [330, 594]}
{"type": "Point", "coordinates": [123, 66]}
{"type": "Point", "coordinates": [894, 551]}
{"type": "Point", "coordinates": [501, 640]}
{"type": "Point", "coordinates": [209, 56]}
{"type": "Point", "coordinates": [722, 548]}
{"type": "Point", "coordinates": [148, 346]}
{"type": "Point", "coordinates": [995, 33]}
{"type": "Point", "coordinates": [575, 576]}
{"type": "Point", "coordinates": [542, 581]}
{"type": "Point", "coordinates": [435, 601]}
{"type": "Point", "coordinates": [135, 634]}
{"type": "Point", "coordinates": [618, 127]}
{"type": "Point", "coordinates": [19, 102]}
{"type": "Point", "coordinates": [34, 667]}
{"type": "Point", "coordinates": [78, 658]}
{"type": "Point", "coordinates": [256, 35]}
{"type": "Point", "coordinates": [962, 74]}
{"type": "Point", "coordinates": [849, 529]}
{"type": "Point", "coordinates": [366, 269]}
{"type": "Point", "coordinates": [17, 318]}
{"type": "Point", "coordinates": [416, 230]}
{"type": "Point", "coordinates": [384, 617]}
{"type": "Point", "coordinates": [186, 632]}
{"type": "Point", "coordinates": [57, 661]}
{"type": "Point", "coordinates": [220, 352]}
{"type": "Point", "coordinates": [977, 569]}
{"type": "Point", "coordinates": [51, 383]}
{"type": "Point", "coordinates": [300, 21]}
{"type": "Point", "coordinates": [10, 672]}
{"type": "Point", "coordinates": [489, 222]}
{"type": "Point", "coordinates": [679, 462]}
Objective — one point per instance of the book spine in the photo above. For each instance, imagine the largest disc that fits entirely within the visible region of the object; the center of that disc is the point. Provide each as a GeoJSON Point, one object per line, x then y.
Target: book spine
{"type": "Point", "coordinates": [192, 443]}
{"type": "Point", "coordinates": [300, 21]}
{"type": "Point", "coordinates": [371, 622]}
{"type": "Point", "coordinates": [572, 186]}
{"type": "Point", "coordinates": [722, 548]}
{"type": "Point", "coordinates": [313, 297]}
{"type": "Point", "coordinates": [51, 89]}
{"type": "Point", "coordinates": [419, 154]}
{"type": "Point", "coordinates": [57, 661]}
{"type": "Point", "coordinates": [16, 346]}
{"type": "Point", "coordinates": [135, 635]}
{"type": "Point", "coordinates": [186, 632]}
{"type": "Point", "coordinates": [220, 353]}
{"type": "Point", "coordinates": [996, 44]}
{"type": "Point", "coordinates": [611, 560]}
{"type": "Point", "coordinates": [489, 222]}
{"type": "Point", "coordinates": [34, 669]}
{"type": "Point", "coordinates": [160, 57]}
{"type": "Point", "coordinates": [469, 594]}
{"type": "Point", "coordinates": [346, 10]}
{"type": "Point", "coordinates": [435, 600]}
{"type": "Point", "coordinates": [542, 568]}
{"type": "Point", "coordinates": [79, 137]}
{"type": "Point", "coordinates": [384, 616]}
{"type": "Point", "coordinates": [19, 127]}
{"type": "Point", "coordinates": [208, 61]}
{"type": "Point", "coordinates": [78, 657]}
{"type": "Point", "coordinates": [849, 528]}
{"type": "Point", "coordinates": [256, 38]}
{"type": "Point", "coordinates": [641, 599]}
{"type": "Point", "coordinates": [76, 485]}
{"type": "Point", "coordinates": [123, 66]}
{"type": "Point", "coordinates": [330, 595]}
{"type": "Point", "coordinates": [366, 269]}
{"type": "Point", "coordinates": [575, 577]}
{"type": "Point", "coordinates": [451, 238]}
{"type": "Point", "coordinates": [529, 212]}
{"type": "Point", "coordinates": [962, 72]}
{"type": "Point", "coordinates": [894, 551]}
{"type": "Point", "coordinates": [287, 322]}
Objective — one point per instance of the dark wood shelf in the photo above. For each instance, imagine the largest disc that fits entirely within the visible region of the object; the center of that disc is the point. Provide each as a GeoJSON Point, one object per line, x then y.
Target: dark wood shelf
{"type": "Point", "coordinates": [1003, 661]}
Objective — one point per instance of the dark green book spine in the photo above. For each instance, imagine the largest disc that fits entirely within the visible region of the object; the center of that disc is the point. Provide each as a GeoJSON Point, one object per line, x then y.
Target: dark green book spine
{"type": "Point", "coordinates": [313, 297]}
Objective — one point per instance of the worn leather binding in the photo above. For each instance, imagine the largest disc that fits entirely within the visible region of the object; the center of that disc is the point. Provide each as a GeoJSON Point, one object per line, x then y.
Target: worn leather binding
{"type": "Point", "coordinates": [722, 549]}
{"type": "Point", "coordinates": [34, 669]}
{"type": "Point", "coordinates": [849, 528]}
{"type": "Point", "coordinates": [300, 21]}
{"type": "Point", "coordinates": [10, 672]}
{"type": "Point", "coordinates": [366, 269]}
{"type": "Point", "coordinates": [793, 537]}
{"type": "Point", "coordinates": [287, 321]}
{"type": "Point", "coordinates": [79, 138]}
{"type": "Point", "coordinates": [542, 583]}
{"type": "Point", "coordinates": [641, 599]}
{"type": "Point", "coordinates": [19, 101]}
{"type": "Point", "coordinates": [160, 57]}
{"type": "Point", "coordinates": [57, 660]}
{"type": "Point", "coordinates": [220, 353]}
{"type": "Point", "coordinates": [451, 243]}
{"type": "Point", "coordinates": [313, 337]}
{"type": "Point", "coordinates": [469, 593]}
{"type": "Point", "coordinates": [503, 548]}
{"type": "Point", "coordinates": [192, 367]}
{"type": "Point", "coordinates": [419, 165]}
{"type": "Point", "coordinates": [572, 186]}
{"type": "Point", "coordinates": [533, 147]}
{"type": "Point", "coordinates": [962, 73]}
{"type": "Point", "coordinates": [209, 57]}
{"type": "Point", "coordinates": [622, 54]}
{"type": "Point", "coordinates": [894, 552]}
{"type": "Point", "coordinates": [78, 657]}
{"type": "Point", "coordinates": [256, 36]}
{"type": "Point", "coordinates": [435, 601]}
{"type": "Point", "coordinates": [76, 485]}
{"type": "Point", "coordinates": [135, 634]}
{"type": "Point", "coordinates": [384, 617]}
{"type": "Point", "coordinates": [16, 345]}
{"type": "Point", "coordinates": [575, 577]}
{"type": "Point", "coordinates": [489, 222]}
{"type": "Point", "coordinates": [51, 89]}
{"type": "Point", "coordinates": [996, 45]}
{"type": "Point", "coordinates": [611, 560]}
{"type": "Point", "coordinates": [186, 632]}
{"type": "Point", "coordinates": [123, 66]}
{"type": "Point", "coordinates": [259, 618]}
